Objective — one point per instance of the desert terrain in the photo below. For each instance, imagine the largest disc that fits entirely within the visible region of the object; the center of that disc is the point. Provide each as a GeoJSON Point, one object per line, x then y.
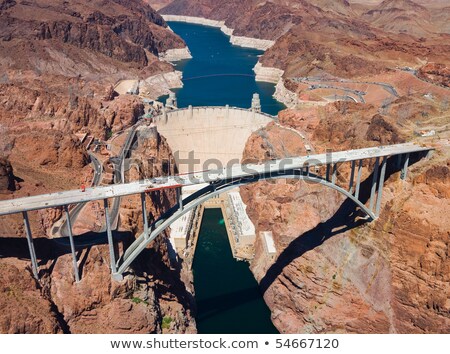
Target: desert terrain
{"type": "Point", "coordinates": [353, 74]}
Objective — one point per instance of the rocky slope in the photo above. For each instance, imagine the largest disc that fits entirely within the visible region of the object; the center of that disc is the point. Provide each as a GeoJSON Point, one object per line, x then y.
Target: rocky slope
{"type": "Point", "coordinates": [401, 16]}
{"type": "Point", "coordinates": [335, 272]}
{"type": "Point", "coordinates": [302, 30]}
{"type": "Point", "coordinates": [435, 73]}
{"type": "Point", "coordinates": [59, 62]}
{"type": "Point", "coordinates": [152, 292]}
{"type": "Point", "coordinates": [7, 182]}
{"type": "Point", "coordinates": [57, 72]}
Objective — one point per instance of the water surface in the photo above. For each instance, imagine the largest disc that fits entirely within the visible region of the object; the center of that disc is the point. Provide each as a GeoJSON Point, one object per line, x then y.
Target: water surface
{"type": "Point", "coordinates": [227, 295]}
{"type": "Point", "coordinates": [219, 73]}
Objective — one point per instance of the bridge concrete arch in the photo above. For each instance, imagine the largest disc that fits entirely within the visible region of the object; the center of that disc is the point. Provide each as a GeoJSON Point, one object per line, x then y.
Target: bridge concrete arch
{"type": "Point", "coordinates": [210, 191]}
{"type": "Point", "coordinates": [217, 182]}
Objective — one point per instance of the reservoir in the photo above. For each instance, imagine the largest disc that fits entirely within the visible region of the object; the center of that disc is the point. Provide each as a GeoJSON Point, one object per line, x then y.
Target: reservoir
{"type": "Point", "coordinates": [227, 295]}
{"type": "Point", "coordinates": [219, 73]}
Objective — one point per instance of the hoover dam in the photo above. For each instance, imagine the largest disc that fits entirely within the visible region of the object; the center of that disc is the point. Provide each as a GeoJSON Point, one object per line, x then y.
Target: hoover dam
{"type": "Point", "coordinates": [210, 137]}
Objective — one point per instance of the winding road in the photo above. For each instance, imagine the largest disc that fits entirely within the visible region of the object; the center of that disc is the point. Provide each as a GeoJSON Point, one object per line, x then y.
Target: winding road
{"type": "Point", "coordinates": [119, 177]}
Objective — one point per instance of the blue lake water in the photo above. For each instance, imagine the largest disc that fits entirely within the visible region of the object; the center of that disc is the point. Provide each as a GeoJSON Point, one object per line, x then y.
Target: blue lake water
{"type": "Point", "coordinates": [227, 295]}
{"type": "Point", "coordinates": [219, 73]}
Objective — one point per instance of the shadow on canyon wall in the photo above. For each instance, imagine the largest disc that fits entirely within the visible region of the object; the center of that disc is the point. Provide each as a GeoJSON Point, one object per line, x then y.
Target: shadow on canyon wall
{"type": "Point", "coordinates": [347, 217]}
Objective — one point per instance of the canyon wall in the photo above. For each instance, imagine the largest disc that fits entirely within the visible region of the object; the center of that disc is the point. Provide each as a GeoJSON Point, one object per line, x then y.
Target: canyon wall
{"type": "Point", "coordinates": [334, 271]}
{"type": "Point", "coordinates": [365, 40]}
{"type": "Point", "coordinates": [59, 63]}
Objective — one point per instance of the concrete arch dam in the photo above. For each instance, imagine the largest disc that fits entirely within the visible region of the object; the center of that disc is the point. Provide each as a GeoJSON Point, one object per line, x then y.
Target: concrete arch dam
{"type": "Point", "coordinates": [202, 138]}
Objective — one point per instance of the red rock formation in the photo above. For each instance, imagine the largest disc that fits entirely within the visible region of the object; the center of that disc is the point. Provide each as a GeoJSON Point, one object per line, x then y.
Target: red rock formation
{"type": "Point", "coordinates": [6, 176]}
{"type": "Point", "coordinates": [24, 308]}
{"type": "Point", "coordinates": [435, 73]}
{"type": "Point", "coordinates": [59, 61]}
{"type": "Point", "coordinates": [97, 304]}
{"type": "Point", "coordinates": [402, 16]}
{"type": "Point", "coordinates": [336, 273]}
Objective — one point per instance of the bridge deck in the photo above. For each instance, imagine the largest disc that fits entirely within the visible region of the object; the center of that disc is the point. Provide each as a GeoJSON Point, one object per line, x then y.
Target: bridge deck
{"type": "Point", "coordinates": [237, 171]}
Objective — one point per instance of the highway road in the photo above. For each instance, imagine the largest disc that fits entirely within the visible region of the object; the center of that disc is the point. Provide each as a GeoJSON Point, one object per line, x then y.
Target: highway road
{"type": "Point", "coordinates": [98, 171]}
{"type": "Point", "coordinates": [306, 80]}
{"type": "Point", "coordinates": [119, 176]}
{"type": "Point", "coordinates": [74, 212]}
{"type": "Point", "coordinates": [237, 171]}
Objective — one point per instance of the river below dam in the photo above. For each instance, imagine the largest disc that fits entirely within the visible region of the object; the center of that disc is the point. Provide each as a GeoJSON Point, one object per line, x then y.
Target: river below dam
{"type": "Point", "coordinates": [227, 295]}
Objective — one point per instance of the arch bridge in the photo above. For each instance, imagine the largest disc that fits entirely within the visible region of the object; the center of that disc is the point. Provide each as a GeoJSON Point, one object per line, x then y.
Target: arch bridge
{"type": "Point", "coordinates": [320, 168]}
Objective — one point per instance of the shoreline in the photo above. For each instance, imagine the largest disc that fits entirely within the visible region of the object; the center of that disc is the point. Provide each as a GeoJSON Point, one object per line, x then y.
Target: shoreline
{"type": "Point", "coordinates": [263, 73]}
{"type": "Point", "coordinates": [241, 41]}
{"type": "Point", "coordinates": [176, 54]}
{"type": "Point", "coordinates": [152, 87]}
{"type": "Point", "coordinates": [275, 76]}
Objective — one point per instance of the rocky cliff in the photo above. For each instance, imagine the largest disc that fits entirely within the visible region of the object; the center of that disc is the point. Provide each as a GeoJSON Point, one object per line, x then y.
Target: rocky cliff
{"type": "Point", "coordinates": [335, 272]}
{"type": "Point", "coordinates": [435, 73]}
{"type": "Point", "coordinates": [151, 293]}
{"type": "Point", "coordinates": [59, 62]}
{"type": "Point", "coordinates": [7, 182]}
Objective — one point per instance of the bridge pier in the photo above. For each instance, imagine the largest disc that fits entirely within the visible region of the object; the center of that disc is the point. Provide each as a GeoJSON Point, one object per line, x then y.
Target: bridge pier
{"type": "Point", "coordinates": [404, 173]}
{"type": "Point", "coordinates": [76, 273]}
{"type": "Point", "coordinates": [144, 215]}
{"type": "Point", "coordinates": [358, 179]}
{"type": "Point", "coordinates": [352, 177]}
{"type": "Point", "coordinates": [335, 167]}
{"type": "Point", "coordinates": [34, 265]}
{"type": "Point", "coordinates": [374, 183]}
{"type": "Point", "coordinates": [307, 170]}
{"type": "Point", "coordinates": [110, 238]}
{"type": "Point", "coordinates": [328, 173]}
{"type": "Point", "coordinates": [398, 163]}
{"type": "Point", "coordinates": [380, 187]}
{"type": "Point", "coordinates": [180, 198]}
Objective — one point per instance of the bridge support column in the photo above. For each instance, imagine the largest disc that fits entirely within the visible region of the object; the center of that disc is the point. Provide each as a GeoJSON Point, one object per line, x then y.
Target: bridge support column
{"type": "Point", "coordinates": [180, 198]}
{"type": "Point", "coordinates": [374, 183]}
{"type": "Point", "coordinates": [404, 173]}
{"type": "Point", "coordinates": [352, 177]}
{"type": "Point", "coordinates": [328, 173]}
{"type": "Point", "coordinates": [358, 179]}
{"type": "Point", "coordinates": [399, 161]}
{"type": "Point", "coordinates": [110, 238]}
{"type": "Point", "coordinates": [144, 215]}
{"type": "Point", "coordinates": [72, 245]}
{"type": "Point", "coordinates": [380, 187]}
{"type": "Point", "coordinates": [335, 167]}
{"type": "Point", "coordinates": [34, 265]}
